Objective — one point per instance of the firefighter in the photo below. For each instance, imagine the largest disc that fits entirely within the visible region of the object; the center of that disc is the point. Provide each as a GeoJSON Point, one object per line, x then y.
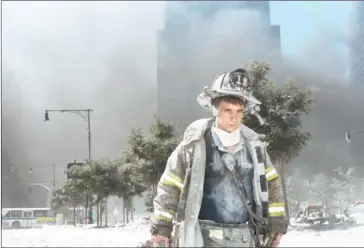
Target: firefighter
{"type": "Point", "coordinates": [219, 185]}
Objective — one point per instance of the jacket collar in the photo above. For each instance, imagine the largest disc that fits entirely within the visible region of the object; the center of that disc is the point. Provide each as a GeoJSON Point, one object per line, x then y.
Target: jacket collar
{"type": "Point", "coordinates": [196, 130]}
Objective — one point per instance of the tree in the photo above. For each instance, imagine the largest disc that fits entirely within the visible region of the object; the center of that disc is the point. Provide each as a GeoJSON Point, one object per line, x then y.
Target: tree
{"type": "Point", "coordinates": [64, 197]}
{"type": "Point", "coordinates": [344, 187]}
{"type": "Point", "coordinates": [293, 194]}
{"type": "Point", "coordinates": [100, 179]}
{"type": "Point", "coordinates": [149, 155]}
{"type": "Point", "coordinates": [131, 184]}
{"type": "Point", "coordinates": [319, 189]}
{"type": "Point", "coordinates": [92, 178]}
{"type": "Point", "coordinates": [103, 181]}
{"type": "Point", "coordinates": [282, 108]}
{"type": "Point", "coordinates": [68, 195]}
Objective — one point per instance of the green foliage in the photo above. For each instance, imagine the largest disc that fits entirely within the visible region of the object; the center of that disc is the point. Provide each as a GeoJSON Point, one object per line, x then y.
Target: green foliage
{"type": "Point", "coordinates": [344, 187]}
{"type": "Point", "coordinates": [150, 154]}
{"type": "Point", "coordinates": [130, 181]}
{"type": "Point", "coordinates": [99, 178]}
{"type": "Point", "coordinates": [79, 177]}
{"type": "Point", "coordinates": [293, 188]}
{"type": "Point", "coordinates": [336, 192]}
{"type": "Point", "coordinates": [282, 108]}
{"type": "Point", "coordinates": [148, 199]}
{"type": "Point", "coordinates": [103, 179]}
{"type": "Point", "coordinates": [68, 195]}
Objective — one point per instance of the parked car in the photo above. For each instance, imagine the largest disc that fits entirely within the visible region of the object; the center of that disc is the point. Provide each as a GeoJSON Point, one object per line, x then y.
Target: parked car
{"type": "Point", "coordinates": [312, 214]}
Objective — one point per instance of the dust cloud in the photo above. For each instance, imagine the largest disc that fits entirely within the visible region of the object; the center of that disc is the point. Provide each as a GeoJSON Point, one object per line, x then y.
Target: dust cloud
{"type": "Point", "coordinates": [103, 55]}
{"type": "Point", "coordinates": [229, 38]}
{"type": "Point", "coordinates": [71, 55]}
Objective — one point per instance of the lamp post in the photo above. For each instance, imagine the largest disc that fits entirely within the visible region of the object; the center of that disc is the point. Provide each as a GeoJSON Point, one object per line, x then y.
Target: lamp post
{"type": "Point", "coordinates": [44, 184]}
{"type": "Point", "coordinates": [349, 132]}
{"type": "Point", "coordinates": [41, 184]}
{"type": "Point", "coordinates": [86, 116]}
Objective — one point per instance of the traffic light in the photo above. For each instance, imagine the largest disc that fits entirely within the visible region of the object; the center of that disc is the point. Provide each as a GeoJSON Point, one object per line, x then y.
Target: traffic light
{"type": "Point", "coordinates": [70, 165]}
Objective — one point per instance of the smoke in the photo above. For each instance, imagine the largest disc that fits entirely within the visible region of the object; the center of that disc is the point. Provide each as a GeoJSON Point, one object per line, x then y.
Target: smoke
{"type": "Point", "coordinates": [103, 55]}
{"type": "Point", "coordinates": [213, 42]}
{"type": "Point", "coordinates": [71, 55]}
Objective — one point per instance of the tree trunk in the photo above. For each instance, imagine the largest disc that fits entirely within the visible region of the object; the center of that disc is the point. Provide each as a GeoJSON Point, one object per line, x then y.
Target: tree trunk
{"type": "Point", "coordinates": [127, 214]}
{"type": "Point", "coordinates": [154, 189]}
{"type": "Point", "coordinates": [283, 181]}
{"type": "Point", "coordinates": [98, 212]}
{"type": "Point", "coordinates": [74, 215]}
{"type": "Point", "coordinates": [90, 217]}
{"type": "Point", "coordinates": [131, 209]}
{"type": "Point", "coordinates": [126, 209]}
{"type": "Point", "coordinates": [124, 213]}
{"type": "Point", "coordinates": [106, 212]}
{"type": "Point", "coordinates": [86, 209]}
{"type": "Point", "coordinates": [101, 211]}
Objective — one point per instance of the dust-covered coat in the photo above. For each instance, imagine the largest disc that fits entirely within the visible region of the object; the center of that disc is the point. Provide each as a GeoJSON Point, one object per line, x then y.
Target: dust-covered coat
{"type": "Point", "coordinates": [184, 176]}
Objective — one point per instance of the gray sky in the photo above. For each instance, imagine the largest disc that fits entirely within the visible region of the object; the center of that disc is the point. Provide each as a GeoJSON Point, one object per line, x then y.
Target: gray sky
{"type": "Point", "coordinates": [78, 55]}
{"type": "Point", "coordinates": [102, 55]}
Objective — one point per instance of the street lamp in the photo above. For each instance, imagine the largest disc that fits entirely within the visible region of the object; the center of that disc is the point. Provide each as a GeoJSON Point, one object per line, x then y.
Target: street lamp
{"type": "Point", "coordinates": [86, 116]}
{"type": "Point", "coordinates": [347, 136]}
{"type": "Point", "coordinates": [43, 185]}
{"type": "Point", "coordinates": [46, 116]}
{"type": "Point", "coordinates": [349, 132]}
{"type": "Point", "coordinates": [53, 182]}
{"type": "Point", "coordinates": [11, 169]}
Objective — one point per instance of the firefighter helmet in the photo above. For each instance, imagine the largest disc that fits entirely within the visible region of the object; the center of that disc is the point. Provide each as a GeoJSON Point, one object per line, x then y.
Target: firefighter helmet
{"type": "Point", "coordinates": [233, 83]}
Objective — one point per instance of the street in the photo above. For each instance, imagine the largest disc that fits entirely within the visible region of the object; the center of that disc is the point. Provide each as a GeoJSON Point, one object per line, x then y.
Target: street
{"type": "Point", "coordinates": [69, 236]}
{"type": "Point", "coordinates": [138, 230]}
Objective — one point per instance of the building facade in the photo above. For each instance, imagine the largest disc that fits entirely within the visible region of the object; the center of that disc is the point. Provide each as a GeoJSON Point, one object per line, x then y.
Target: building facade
{"type": "Point", "coordinates": [357, 44]}
{"type": "Point", "coordinates": [189, 55]}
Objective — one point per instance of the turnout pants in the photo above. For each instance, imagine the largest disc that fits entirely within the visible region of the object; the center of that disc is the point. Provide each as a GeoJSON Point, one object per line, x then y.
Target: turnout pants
{"type": "Point", "coordinates": [225, 235]}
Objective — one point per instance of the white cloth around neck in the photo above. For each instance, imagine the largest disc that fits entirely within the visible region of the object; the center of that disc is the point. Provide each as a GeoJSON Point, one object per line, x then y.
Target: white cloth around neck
{"type": "Point", "coordinates": [227, 139]}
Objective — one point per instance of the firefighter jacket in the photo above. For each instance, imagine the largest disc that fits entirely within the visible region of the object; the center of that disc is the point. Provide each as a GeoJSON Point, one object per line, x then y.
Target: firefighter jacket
{"type": "Point", "coordinates": [180, 189]}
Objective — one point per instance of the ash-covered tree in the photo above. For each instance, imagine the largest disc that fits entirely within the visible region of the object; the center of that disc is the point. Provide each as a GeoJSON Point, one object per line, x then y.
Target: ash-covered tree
{"type": "Point", "coordinates": [98, 178]}
{"type": "Point", "coordinates": [294, 188]}
{"type": "Point", "coordinates": [149, 154]}
{"type": "Point", "coordinates": [320, 191]}
{"type": "Point", "coordinates": [344, 187]}
{"type": "Point", "coordinates": [102, 178]}
{"type": "Point", "coordinates": [131, 184]}
{"type": "Point", "coordinates": [65, 197]}
{"type": "Point", "coordinates": [73, 192]}
{"type": "Point", "coordinates": [282, 108]}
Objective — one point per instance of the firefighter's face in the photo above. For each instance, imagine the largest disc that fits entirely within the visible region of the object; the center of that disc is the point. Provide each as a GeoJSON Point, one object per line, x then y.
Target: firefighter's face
{"type": "Point", "coordinates": [229, 116]}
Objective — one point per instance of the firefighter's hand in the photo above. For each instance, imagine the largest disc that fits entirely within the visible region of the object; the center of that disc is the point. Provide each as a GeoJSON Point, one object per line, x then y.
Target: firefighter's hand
{"type": "Point", "coordinates": [160, 241]}
{"type": "Point", "coordinates": [277, 239]}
